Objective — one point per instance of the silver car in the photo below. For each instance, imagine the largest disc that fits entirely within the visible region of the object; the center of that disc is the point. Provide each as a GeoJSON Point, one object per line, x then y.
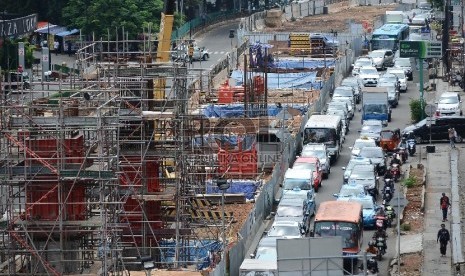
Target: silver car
{"type": "Point", "coordinates": [321, 152]}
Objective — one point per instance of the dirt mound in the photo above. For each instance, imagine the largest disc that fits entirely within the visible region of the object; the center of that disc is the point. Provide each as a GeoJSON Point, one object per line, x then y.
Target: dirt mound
{"type": "Point", "coordinates": [340, 14]}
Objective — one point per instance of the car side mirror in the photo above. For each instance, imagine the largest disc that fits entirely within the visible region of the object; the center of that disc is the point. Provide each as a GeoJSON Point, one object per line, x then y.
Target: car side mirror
{"type": "Point", "coordinates": [359, 129]}
{"type": "Point", "coordinates": [435, 102]}
{"type": "Point", "coordinates": [336, 195]}
{"type": "Point", "coordinates": [343, 168]}
{"type": "Point", "coordinates": [351, 147]}
{"type": "Point", "coordinates": [273, 214]}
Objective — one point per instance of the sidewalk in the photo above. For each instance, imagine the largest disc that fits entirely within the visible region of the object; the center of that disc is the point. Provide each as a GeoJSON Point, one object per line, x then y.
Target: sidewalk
{"type": "Point", "coordinates": [442, 177]}
{"type": "Point", "coordinates": [438, 182]}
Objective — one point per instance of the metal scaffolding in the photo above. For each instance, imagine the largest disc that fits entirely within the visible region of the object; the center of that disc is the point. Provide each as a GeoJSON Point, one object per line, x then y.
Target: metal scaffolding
{"type": "Point", "coordinates": [99, 170]}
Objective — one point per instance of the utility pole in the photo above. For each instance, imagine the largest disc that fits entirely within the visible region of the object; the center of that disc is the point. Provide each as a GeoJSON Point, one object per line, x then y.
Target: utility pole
{"type": "Point", "coordinates": [445, 36]}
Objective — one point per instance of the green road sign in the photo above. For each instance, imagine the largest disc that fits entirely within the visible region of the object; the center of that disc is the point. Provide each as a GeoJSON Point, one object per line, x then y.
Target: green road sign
{"type": "Point", "coordinates": [420, 49]}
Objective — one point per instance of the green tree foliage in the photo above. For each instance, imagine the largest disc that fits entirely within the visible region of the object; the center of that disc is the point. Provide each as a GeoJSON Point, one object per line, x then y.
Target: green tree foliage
{"type": "Point", "coordinates": [48, 10]}
{"type": "Point", "coordinates": [416, 113]}
{"type": "Point", "coordinates": [99, 16]}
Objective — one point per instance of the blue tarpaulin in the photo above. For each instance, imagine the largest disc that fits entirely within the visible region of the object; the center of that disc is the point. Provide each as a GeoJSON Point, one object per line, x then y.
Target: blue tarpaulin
{"type": "Point", "coordinates": [304, 80]}
{"type": "Point", "coordinates": [66, 33]}
{"type": "Point", "coordinates": [309, 64]}
{"type": "Point", "coordinates": [192, 251]}
{"type": "Point", "coordinates": [246, 187]}
{"type": "Point", "coordinates": [237, 110]}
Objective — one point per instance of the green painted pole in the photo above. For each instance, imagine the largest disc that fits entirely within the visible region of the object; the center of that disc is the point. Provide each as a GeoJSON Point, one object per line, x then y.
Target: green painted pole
{"type": "Point", "coordinates": [421, 88]}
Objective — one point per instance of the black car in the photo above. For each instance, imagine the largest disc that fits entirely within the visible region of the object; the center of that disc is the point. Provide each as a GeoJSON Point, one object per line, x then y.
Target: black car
{"type": "Point", "coordinates": [439, 127]}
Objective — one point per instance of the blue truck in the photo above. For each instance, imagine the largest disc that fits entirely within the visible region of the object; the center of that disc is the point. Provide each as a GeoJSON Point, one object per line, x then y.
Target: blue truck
{"type": "Point", "coordinates": [375, 105]}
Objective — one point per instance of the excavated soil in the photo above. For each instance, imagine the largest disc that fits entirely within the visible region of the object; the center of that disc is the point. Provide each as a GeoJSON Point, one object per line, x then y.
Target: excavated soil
{"type": "Point", "coordinates": [411, 264]}
{"type": "Point", "coordinates": [340, 14]}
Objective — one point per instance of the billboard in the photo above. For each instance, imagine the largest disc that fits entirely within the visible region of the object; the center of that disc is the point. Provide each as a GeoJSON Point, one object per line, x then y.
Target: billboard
{"type": "Point", "coordinates": [420, 49]}
{"type": "Point", "coordinates": [18, 26]}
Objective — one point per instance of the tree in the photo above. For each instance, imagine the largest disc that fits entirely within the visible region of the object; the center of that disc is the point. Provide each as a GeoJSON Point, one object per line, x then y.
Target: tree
{"type": "Point", "coordinates": [99, 16]}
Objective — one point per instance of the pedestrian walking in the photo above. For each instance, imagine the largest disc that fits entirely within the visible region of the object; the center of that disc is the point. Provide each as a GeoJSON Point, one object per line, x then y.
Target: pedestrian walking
{"type": "Point", "coordinates": [443, 238]}
{"type": "Point", "coordinates": [68, 45]}
{"type": "Point", "coordinates": [56, 47]}
{"type": "Point", "coordinates": [452, 134]}
{"type": "Point", "coordinates": [444, 205]}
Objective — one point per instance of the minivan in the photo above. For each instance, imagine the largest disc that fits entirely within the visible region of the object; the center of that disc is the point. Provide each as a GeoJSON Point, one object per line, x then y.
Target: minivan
{"type": "Point", "coordinates": [439, 126]}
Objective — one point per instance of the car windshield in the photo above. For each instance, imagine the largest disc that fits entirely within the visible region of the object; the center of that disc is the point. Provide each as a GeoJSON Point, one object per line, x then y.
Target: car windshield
{"type": "Point", "coordinates": [371, 129]}
{"type": "Point", "coordinates": [448, 100]}
{"type": "Point", "coordinates": [343, 92]}
{"type": "Point", "coordinates": [368, 71]}
{"type": "Point", "coordinates": [375, 108]}
{"type": "Point", "coordinates": [362, 174]}
{"type": "Point", "coordinates": [294, 183]}
{"type": "Point", "coordinates": [284, 231]}
{"type": "Point", "coordinates": [348, 232]}
{"type": "Point", "coordinates": [387, 134]}
{"type": "Point", "coordinates": [366, 204]}
{"type": "Point", "coordinates": [372, 153]}
{"type": "Point", "coordinates": [348, 190]}
{"type": "Point", "coordinates": [402, 62]}
{"type": "Point", "coordinates": [400, 75]}
{"type": "Point", "coordinates": [390, 78]}
{"type": "Point", "coordinates": [363, 62]}
{"type": "Point", "coordinates": [321, 154]}
{"type": "Point", "coordinates": [289, 211]}
{"type": "Point", "coordinates": [266, 253]}
{"type": "Point", "coordinates": [376, 54]}
{"type": "Point", "coordinates": [349, 82]}
{"type": "Point", "coordinates": [320, 135]}
{"type": "Point", "coordinates": [305, 166]}
{"type": "Point", "coordinates": [364, 143]}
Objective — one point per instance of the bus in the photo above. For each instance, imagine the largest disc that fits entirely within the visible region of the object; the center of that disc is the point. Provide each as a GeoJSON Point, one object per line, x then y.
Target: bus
{"type": "Point", "coordinates": [324, 129]}
{"type": "Point", "coordinates": [341, 218]}
{"type": "Point", "coordinates": [388, 36]}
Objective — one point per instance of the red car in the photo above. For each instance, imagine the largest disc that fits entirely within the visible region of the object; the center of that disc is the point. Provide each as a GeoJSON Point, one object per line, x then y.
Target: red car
{"type": "Point", "coordinates": [312, 163]}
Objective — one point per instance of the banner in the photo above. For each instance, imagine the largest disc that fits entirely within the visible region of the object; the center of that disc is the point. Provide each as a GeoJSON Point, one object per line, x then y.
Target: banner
{"type": "Point", "coordinates": [18, 26]}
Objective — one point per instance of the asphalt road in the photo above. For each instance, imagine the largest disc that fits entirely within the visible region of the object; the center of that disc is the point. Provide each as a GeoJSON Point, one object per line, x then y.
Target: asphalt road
{"type": "Point", "coordinates": [332, 185]}
{"type": "Point", "coordinates": [218, 44]}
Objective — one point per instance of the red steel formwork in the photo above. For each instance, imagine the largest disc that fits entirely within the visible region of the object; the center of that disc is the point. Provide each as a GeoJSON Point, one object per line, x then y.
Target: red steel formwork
{"type": "Point", "coordinates": [48, 149]}
{"type": "Point", "coordinates": [139, 213]}
{"type": "Point", "coordinates": [72, 196]}
{"type": "Point", "coordinates": [238, 164]}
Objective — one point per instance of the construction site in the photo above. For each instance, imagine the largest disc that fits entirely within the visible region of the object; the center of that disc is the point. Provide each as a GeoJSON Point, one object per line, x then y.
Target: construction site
{"type": "Point", "coordinates": [136, 162]}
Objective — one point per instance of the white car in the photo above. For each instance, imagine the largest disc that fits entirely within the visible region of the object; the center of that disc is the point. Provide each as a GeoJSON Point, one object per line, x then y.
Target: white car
{"type": "Point", "coordinates": [406, 65]}
{"type": "Point", "coordinates": [400, 73]}
{"type": "Point", "coordinates": [369, 76]}
{"type": "Point", "coordinates": [181, 53]}
{"type": "Point", "coordinates": [449, 104]}
{"type": "Point", "coordinates": [382, 58]}
{"type": "Point", "coordinates": [360, 143]}
{"type": "Point", "coordinates": [361, 62]}
{"type": "Point", "coordinates": [286, 229]}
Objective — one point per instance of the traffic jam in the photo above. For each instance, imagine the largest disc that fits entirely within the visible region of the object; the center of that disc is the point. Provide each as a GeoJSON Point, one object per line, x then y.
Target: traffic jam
{"type": "Point", "coordinates": [364, 204]}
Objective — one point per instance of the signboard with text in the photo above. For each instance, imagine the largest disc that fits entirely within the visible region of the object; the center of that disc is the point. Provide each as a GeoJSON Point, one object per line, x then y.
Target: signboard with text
{"type": "Point", "coordinates": [18, 26]}
{"type": "Point", "coordinates": [420, 49]}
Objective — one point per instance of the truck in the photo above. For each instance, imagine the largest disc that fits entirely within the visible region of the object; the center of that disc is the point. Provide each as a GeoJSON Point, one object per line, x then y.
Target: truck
{"type": "Point", "coordinates": [375, 105]}
{"type": "Point", "coordinates": [394, 17]}
{"type": "Point", "coordinates": [252, 267]}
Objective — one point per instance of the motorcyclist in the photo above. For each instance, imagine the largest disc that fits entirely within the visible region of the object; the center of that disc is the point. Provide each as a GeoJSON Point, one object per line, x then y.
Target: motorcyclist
{"type": "Point", "coordinates": [381, 219]}
{"type": "Point", "coordinates": [381, 233]}
{"type": "Point", "coordinates": [390, 211]}
{"type": "Point", "coordinates": [388, 174]}
{"type": "Point", "coordinates": [395, 160]}
{"type": "Point", "coordinates": [372, 248]}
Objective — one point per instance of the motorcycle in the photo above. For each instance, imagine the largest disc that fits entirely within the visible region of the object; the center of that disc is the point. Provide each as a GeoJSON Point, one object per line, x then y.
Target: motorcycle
{"type": "Point", "coordinates": [411, 146]}
{"type": "Point", "coordinates": [395, 171]}
{"type": "Point", "coordinates": [390, 214]}
{"type": "Point", "coordinates": [372, 266]}
{"type": "Point", "coordinates": [387, 194]}
{"type": "Point", "coordinates": [381, 246]}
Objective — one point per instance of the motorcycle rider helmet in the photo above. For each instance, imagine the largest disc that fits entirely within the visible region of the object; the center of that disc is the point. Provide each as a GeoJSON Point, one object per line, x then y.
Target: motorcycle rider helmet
{"type": "Point", "coordinates": [371, 243]}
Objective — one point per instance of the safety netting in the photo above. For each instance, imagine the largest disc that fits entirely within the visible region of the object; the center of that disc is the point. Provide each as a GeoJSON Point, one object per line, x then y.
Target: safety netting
{"type": "Point", "coordinates": [237, 110]}
{"type": "Point", "coordinates": [226, 142]}
{"type": "Point", "coordinates": [237, 186]}
{"type": "Point", "coordinates": [302, 63]}
{"type": "Point", "coordinates": [303, 80]}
